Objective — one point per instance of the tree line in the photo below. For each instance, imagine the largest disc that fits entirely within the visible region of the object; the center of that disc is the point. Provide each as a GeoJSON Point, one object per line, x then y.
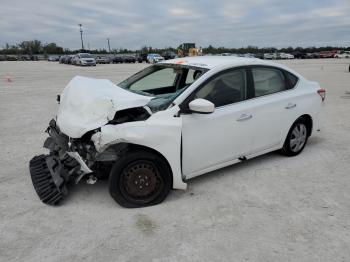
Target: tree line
{"type": "Point", "coordinates": [36, 47]}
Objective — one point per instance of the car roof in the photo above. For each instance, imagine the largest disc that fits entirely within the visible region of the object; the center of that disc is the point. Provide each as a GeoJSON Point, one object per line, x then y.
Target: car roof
{"type": "Point", "coordinates": [210, 62]}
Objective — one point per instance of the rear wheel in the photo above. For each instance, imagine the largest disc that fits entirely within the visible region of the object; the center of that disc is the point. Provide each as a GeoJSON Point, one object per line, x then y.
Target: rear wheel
{"type": "Point", "coordinates": [296, 138]}
{"type": "Point", "coordinates": [140, 178]}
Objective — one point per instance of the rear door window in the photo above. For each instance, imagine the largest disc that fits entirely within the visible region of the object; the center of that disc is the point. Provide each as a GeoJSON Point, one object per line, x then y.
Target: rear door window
{"type": "Point", "coordinates": [268, 81]}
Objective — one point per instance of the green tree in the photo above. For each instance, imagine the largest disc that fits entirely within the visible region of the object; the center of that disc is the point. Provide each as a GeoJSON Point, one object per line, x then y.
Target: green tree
{"type": "Point", "coordinates": [52, 48]}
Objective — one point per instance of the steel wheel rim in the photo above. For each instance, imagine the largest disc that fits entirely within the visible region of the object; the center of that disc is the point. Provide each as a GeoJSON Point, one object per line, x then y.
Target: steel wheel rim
{"type": "Point", "coordinates": [141, 182]}
{"type": "Point", "coordinates": [298, 137]}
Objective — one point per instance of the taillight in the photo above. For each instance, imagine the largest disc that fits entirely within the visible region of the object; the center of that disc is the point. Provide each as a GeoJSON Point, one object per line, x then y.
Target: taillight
{"type": "Point", "coordinates": [322, 93]}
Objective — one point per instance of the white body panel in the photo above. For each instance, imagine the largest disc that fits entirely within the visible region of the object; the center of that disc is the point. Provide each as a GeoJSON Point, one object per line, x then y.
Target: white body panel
{"type": "Point", "coordinates": [213, 139]}
{"type": "Point", "coordinates": [161, 132]}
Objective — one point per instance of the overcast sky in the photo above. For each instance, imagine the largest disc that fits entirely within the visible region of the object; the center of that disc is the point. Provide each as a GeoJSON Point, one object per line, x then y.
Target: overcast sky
{"type": "Point", "coordinates": [160, 23]}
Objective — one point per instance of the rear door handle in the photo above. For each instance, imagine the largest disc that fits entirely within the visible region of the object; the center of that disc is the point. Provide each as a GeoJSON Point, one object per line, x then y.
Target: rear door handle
{"type": "Point", "coordinates": [290, 105]}
{"type": "Point", "coordinates": [244, 117]}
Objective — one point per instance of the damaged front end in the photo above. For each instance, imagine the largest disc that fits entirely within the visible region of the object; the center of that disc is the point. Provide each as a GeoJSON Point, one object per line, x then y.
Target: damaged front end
{"type": "Point", "coordinates": [73, 159]}
{"type": "Point", "coordinates": [67, 163]}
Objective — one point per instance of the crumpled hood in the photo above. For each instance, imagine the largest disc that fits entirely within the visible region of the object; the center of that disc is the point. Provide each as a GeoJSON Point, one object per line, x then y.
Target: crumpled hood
{"type": "Point", "coordinates": [88, 103]}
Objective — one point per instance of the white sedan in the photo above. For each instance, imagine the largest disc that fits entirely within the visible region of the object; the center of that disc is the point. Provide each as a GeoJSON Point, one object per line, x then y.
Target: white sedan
{"type": "Point", "coordinates": [286, 56]}
{"type": "Point", "coordinates": [344, 54]}
{"type": "Point", "coordinates": [173, 121]}
{"type": "Point", "coordinates": [154, 58]}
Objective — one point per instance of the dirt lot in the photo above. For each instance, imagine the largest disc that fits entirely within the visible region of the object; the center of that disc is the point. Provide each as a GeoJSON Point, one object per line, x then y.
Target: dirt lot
{"type": "Point", "coordinates": [271, 208]}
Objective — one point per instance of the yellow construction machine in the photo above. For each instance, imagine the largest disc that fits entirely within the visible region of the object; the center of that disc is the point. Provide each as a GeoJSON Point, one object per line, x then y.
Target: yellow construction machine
{"type": "Point", "coordinates": [188, 49]}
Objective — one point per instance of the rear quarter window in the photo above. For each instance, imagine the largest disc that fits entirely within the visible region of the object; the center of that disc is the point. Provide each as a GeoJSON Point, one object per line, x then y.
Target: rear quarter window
{"type": "Point", "coordinates": [293, 80]}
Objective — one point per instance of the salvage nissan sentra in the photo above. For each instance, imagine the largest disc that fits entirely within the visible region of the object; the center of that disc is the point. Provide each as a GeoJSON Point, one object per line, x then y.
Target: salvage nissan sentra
{"type": "Point", "coordinates": [173, 121]}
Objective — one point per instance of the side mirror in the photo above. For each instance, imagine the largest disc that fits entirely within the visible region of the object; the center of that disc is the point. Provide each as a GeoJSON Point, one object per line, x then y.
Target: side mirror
{"type": "Point", "coordinates": [201, 106]}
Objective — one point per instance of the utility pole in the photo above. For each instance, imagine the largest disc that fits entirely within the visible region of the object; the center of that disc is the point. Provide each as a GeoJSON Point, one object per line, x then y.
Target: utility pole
{"type": "Point", "coordinates": [81, 37]}
{"type": "Point", "coordinates": [109, 47]}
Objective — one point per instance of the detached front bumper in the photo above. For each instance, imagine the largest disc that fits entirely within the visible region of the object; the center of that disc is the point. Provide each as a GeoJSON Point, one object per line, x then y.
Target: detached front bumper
{"type": "Point", "coordinates": [53, 172]}
{"type": "Point", "coordinates": [49, 178]}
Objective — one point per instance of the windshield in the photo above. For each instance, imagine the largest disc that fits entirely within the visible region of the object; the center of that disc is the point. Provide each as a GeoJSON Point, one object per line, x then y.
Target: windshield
{"type": "Point", "coordinates": [85, 56]}
{"type": "Point", "coordinates": [164, 82]}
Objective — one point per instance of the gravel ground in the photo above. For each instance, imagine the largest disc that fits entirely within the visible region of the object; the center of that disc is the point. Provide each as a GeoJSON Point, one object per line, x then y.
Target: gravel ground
{"type": "Point", "coordinates": [271, 208]}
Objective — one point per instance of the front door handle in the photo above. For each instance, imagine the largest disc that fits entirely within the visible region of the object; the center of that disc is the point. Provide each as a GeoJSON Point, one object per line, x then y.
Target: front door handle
{"type": "Point", "coordinates": [290, 105]}
{"type": "Point", "coordinates": [244, 117]}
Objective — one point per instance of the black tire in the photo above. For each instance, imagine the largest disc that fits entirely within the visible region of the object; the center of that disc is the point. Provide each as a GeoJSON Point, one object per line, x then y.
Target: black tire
{"type": "Point", "coordinates": [140, 178]}
{"type": "Point", "coordinates": [289, 149]}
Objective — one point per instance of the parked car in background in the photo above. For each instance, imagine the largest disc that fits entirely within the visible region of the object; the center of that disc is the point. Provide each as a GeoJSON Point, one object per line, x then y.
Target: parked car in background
{"type": "Point", "coordinates": [62, 59]}
{"type": "Point", "coordinates": [259, 55]}
{"type": "Point", "coordinates": [317, 55]}
{"type": "Point", "coordinates": [68, 59]}
{"type": "Point", "coordinates": [85, 59]}
{"type": "Point", "coordinates": [342, 54]}
{"type": "Point", "coordinates": [173, 121]}
{"type": "Point", "coordinates": [129, 59]}
{"type": "Point", "coordinates": [154, 58]}
{"type": "Point", "coordinates": [312, 55]}
{"type": "Point", "coordinates": [299, 55]}
{"type": "Point", "coordinates": [140, 57]}
{"type": "Point", "coordinates": [169, 55]}
{"type": "Point", "coordinates": [248, 55]}
{"type": "Point", "coordinates": [286, 56]}
{"type": "Point", "coordinates": [74, 60]}
{"type": "Point", "coordinates": [328, 54]}
{"type": "Point", "coordinates": [11, 58]}
{"type": "Point", "coordinates": [34, 58]}
{"type": "Point", "coordinates": [103, 60]}
{"type": "Point", "coordinates": [53, 58]}
{"type": "Point", "coordinates": [27, 58]}
{"type": "Point", "coordinates": [270, 56]}
{"type": "Point", "coordinates": [117, 59]}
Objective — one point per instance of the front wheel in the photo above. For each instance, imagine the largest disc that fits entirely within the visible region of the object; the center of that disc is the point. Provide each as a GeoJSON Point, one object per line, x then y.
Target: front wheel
{"type": "Point", "coordinates": [296, 138]}
{"type": "Point", "coordinates": [139, 179]}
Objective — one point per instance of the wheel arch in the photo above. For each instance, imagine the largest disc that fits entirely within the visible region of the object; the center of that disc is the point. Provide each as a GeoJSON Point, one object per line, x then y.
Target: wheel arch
{"type": "Point", "coordinates": [308, 121]}
{"type": "Point", "coordinates": [309, 125]}
{"type": "Point", "coordinates": [124, 147]}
